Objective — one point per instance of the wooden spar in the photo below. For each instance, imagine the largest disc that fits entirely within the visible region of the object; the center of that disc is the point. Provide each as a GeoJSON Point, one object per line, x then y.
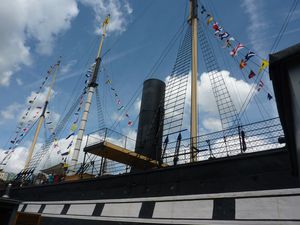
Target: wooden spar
{"type": "Point", "coordinates": [90, 92]}
{"type": "Point", "coordinates": [194, 111]}
{"type": "Point", "coordinates": [41, 119]}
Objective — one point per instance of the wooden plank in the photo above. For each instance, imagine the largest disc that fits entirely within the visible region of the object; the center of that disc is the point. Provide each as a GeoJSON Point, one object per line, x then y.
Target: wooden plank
{"type": "Point", "coordinates": [122, 155]}
{"type": "Point", "coordinates": [27, 219]}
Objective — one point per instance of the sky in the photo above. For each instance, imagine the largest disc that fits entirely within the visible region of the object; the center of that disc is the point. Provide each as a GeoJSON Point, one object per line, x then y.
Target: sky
{"type": "Point", "coordinates": [34, 34]}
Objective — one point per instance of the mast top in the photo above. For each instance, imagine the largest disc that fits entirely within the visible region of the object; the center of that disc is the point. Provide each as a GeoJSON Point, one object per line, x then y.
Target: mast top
{"type": "Point", "coordinates": [193, 9]}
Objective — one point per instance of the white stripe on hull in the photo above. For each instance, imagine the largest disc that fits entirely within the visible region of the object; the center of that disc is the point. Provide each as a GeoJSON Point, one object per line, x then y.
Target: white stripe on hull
{"type": "Point", "coordinates": [268, 208]}
{"type": "Point", "coordinates": [199, 209]}
{"type": "Point", "coordinates": [172, 221]}
{"type": "Point", "coordinates": [122, 209]}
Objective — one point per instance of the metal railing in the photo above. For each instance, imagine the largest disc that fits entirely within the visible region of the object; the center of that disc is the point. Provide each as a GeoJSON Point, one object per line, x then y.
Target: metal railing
{"type": "Point", "coordinates": [112, 136]}
{"type": "Point", "coordinates": [255, 137]}
{"type": "Point", "coordinates": [259, 136]}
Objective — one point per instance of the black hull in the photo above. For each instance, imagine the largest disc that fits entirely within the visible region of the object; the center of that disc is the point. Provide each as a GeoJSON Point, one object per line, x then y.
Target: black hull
{"type": "Point", "coordinates": [210, 192]}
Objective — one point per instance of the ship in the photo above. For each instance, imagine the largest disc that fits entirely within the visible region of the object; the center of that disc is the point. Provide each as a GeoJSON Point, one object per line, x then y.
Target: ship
{"type": "Point", "coordinates": [243, 174]}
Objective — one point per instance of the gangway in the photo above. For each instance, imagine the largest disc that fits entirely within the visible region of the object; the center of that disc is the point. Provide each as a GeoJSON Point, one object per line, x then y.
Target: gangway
{"type": "Point", "coordinates": [104, 147]}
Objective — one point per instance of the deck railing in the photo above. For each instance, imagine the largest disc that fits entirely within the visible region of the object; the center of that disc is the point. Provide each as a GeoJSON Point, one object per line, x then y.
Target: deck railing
{"type": "Point", "coordinates": [259, 136]}
{"type": "Point", "coordinates": [112, 136]}
{"type": "Point", "coordinates": [254, 137]}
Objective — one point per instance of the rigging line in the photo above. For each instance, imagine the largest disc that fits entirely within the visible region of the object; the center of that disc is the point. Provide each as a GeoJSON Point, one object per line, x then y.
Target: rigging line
{"type": "Point", "coordinates": [225, 59]}
{"type": "Point", "coordinates": [284, 26]}
{"type": "Point", "coordinates": [244, 78]}
{"type": "Point", "coordinates": [93, 43]}
{"type": "Point", "coordinates": [19, 122]}
{"type": "Point", "coordinates": [161, 58]}
{"type": "Point", "coordinates": [245, 47]}
{"type": "Point", "coordinates": [226, 63]}
{"type": "Point", "coordinates": [138, 18]}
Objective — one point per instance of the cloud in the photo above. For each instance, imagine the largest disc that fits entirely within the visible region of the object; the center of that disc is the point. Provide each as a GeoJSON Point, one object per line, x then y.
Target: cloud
{"type": "Point", "coordinates": [10, 112]}
{"type": "Point", "coordinates": [207, 107]}
{"type": "Point", "coordinates": [212, 124]}
{"type": "Point", "coordinates": [258, 24]}
{"type": "Point", "coordinates": [66, 68]}
{"type": "Point", "coordinates": [19, 81]}
{"type": "Point", "coordinates": [119, 11]}
{"type": "Point", "coordinates": [41, 22]}
{"type": "Point", "coordinates": [17, 161]}
{"type": "Point", "coordinates": [32, 20]}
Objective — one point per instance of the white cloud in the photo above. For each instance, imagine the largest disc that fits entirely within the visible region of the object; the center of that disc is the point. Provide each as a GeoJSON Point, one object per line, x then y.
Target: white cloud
{"type": "Point", "coordinates": [41, 22]}
{"type": "Point", "coordinates": [119, 11]}
{"type": "Point", "coordinates": [258, 24]}
{"type": "Point", "coordinates": [66, 68]}
{"type": "Point", "coordinates": [19, 81]}
{"type": "Point", "coordinates": [10, 112]}
{"type": "Point", "coordinates": [212, 124]}
{"type": "Point", "coordinates": [17, 161]}
{"type": "Point", "coordinates": [238, 90]}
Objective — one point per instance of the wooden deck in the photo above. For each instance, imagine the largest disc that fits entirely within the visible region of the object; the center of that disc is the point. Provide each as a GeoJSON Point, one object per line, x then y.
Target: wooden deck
{"type": "Point", "coordinates": [122, 155]}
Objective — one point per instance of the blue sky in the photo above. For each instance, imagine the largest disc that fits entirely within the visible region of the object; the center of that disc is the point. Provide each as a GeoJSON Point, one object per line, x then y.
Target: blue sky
{"type": "Point", "coordinates": [35, 33]}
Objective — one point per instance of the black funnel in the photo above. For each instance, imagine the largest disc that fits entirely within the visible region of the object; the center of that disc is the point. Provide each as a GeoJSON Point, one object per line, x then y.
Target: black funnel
{"type": "Point", "coordinates": [150, 128]}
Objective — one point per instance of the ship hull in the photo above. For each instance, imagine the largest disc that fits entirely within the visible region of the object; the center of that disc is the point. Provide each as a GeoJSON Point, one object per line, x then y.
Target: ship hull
{"type": "Point", "coordinates": [255, 188]}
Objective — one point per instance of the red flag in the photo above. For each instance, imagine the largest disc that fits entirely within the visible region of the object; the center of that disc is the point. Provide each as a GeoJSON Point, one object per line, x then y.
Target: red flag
{"type": "Point", "coordinates": [236, 49]}
{"type": "Point", "coordinates": [215, 26]}
{"type": "Point", "coordinates": [243, 64]}
{"type": "Point", "coordinates": [251, 74]}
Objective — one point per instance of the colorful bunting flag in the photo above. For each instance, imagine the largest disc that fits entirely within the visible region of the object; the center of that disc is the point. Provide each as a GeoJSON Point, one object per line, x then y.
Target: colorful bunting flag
{"type": "Point", "coordinates": [223, 35]}
{"type": "Point", "coordinates": [260, 85]}
{"type": "Point", "coordinates": [243, 64]}
{"type": "Point", "coordinates": [249, 55]}
{"type": "Point", "coordinates": [73, 127]}
{"type": "Point", "coordinates": [70, 135]}
{"type": "Point", "coordinates": [251, 74]}
{"type": "Point", "coordinates": [70, 144]}
{"type": "Point", "coordinates": [209, 20]}
{"type": "Point", "coordinates": [264, 64]}
{"type": "Point", "coordinates": [228, 42]}
{"type": "Point", "coordinates": [236, 49]}
{"type": "Point", "coordinates": [269, 96]}
{"type": "Point", "coordinates": [203, 10]}
{"type": "Point", "coordinates": [65, 153]}
{"type": "Point", "coordinates": [106, 21]}
{"type": "Point", "coordinates": [215, 26]}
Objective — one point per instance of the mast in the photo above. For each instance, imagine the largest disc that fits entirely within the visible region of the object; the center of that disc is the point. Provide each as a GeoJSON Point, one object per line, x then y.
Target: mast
{"type": "Point", "coordinates": [90, 91]}
{"type": "Point", "coordinates": [41, 119]}
{"type": "Point", "coordinates": [194, 113]}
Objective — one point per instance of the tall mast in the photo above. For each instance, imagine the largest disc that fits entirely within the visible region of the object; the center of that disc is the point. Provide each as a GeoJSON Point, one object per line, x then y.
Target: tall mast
{"type": "Point", "coordinates": [90, 91]}
{"type": "Point", "coordinates": [194, 113]}
{"type": "Point", "coordinates": [41, 119]}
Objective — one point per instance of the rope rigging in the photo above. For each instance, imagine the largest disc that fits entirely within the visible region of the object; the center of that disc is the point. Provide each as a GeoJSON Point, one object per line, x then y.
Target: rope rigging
{"type": "Point", "coordinates": [28, 119]}
{"type": "Point", "coordinates": [249, 58]}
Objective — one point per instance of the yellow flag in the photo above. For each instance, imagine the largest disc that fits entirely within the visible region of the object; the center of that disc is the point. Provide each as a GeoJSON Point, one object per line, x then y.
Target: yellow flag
{"type": "Point", "coordinates": [264, 64]}
{"type": "Point", "coordinates": [106, 21]}
{"type": "Point", "coordinates": [74, 127]}
{"type": "Point", "coordinates": [209, 20]}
